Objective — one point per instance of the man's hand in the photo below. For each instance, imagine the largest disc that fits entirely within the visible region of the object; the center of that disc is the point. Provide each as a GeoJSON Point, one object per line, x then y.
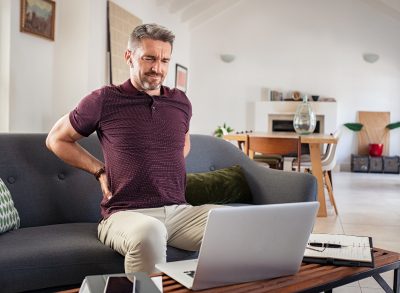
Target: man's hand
{"type": "Point", "coordinates": [186, 148]}
{"type": "Point", "coordinates": [104, 186]}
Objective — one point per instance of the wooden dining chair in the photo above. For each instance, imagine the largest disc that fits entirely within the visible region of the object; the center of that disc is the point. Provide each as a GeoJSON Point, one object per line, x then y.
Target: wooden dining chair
{"type": "Point", "coordinates": [328, 162]}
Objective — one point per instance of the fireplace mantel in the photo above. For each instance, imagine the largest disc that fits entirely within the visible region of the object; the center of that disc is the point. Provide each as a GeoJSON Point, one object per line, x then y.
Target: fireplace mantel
{"type": "Point", "coordinates": [264, 110]}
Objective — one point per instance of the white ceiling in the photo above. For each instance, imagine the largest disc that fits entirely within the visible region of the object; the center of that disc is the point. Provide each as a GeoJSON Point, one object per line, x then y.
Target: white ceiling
{"type": "Point", "coordinates": [197, 12]}
{"type": "Point", "coordinates": [388, 7]}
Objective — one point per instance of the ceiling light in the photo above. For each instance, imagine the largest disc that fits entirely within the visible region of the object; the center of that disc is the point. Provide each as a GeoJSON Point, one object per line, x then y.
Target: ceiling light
{"type": "Point", "coordinates": [370, 57]}
{"type": "Point", "coordinates": [227, 58]}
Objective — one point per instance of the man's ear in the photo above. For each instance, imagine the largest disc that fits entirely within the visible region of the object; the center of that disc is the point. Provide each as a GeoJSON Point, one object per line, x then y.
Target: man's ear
{"type": "Point", "coordinates": [128, 59]}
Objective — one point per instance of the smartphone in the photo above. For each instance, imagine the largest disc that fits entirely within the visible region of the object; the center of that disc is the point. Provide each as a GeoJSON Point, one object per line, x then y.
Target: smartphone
{"type": "Point", "coordinates": [119, 285]}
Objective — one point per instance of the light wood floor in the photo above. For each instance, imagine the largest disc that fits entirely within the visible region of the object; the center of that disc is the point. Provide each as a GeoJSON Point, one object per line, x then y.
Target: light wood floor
{"type": "Point", "coordinates": [368, 204]}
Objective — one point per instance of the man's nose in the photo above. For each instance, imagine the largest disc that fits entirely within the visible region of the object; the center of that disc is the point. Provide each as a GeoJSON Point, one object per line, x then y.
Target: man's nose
{"type": "Point", "coordinates": [156, 66]}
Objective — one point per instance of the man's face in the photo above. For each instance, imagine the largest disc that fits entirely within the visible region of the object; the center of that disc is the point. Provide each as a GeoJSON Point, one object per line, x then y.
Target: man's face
{"type": "Point", "coordinates": [150, 62]}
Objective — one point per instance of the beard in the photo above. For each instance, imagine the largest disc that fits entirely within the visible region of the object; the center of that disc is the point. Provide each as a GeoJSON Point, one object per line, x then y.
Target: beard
{"type": "Point", "coordinates": [151, 80]}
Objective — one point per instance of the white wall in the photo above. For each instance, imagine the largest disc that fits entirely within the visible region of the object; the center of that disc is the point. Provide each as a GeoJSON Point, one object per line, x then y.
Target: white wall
{"type": "Point", "coordinates": [31, 77]}
{"type": "Point", "coordinates": [71, 57]}
{"type": "Point", "coordinates": [5, 15]}
{"type": "Point", "coordinates": [47, 79]}
{"type": "Point", "coordinates": [309, 45]}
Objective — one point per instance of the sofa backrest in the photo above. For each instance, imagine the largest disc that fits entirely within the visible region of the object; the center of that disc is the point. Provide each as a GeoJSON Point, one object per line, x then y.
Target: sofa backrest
{"type": "Point", "coordinates": [209, 153]}
{"type": "Point", "coordinates": [45, 190]}
{"type": "Point", "coordinates": [48, 191]}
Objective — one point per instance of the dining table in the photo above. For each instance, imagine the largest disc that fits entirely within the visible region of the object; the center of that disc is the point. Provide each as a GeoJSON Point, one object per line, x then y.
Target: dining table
{"type": "Point", "coordinates": [289, 142]}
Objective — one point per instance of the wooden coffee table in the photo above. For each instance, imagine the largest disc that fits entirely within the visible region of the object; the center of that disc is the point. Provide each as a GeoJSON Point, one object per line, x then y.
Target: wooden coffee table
{"type": "Point", "coordinates": [310, 278]}
{"type": "Point", "coordinates": [313, 278]}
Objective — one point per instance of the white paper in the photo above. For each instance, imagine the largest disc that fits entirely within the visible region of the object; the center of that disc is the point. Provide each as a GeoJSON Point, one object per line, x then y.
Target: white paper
{"type": "Point", "coordinates": [355, 248]}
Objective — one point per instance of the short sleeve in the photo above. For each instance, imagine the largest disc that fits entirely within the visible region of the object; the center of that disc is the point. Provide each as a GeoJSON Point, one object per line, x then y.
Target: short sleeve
{"type": "Point", "coordinates": [188, 110]}
{"type": "Point", "coordinates": [189, 116]}
{"type": "Point", "coordinates": [86, 116]}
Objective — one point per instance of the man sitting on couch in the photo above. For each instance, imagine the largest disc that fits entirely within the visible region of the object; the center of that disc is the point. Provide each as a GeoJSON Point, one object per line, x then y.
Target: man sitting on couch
{"type": "Point", "coordinates": [143, 128]}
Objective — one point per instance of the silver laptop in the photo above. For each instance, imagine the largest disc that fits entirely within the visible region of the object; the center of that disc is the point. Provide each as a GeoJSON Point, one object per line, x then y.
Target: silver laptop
{"type": "Point", "coordinates": [247, 243]}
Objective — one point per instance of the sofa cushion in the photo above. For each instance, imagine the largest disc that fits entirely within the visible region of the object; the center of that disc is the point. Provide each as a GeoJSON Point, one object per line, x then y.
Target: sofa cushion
{"type": "Point", "coordinates": [9, 218]}
{"type": "Point", "coordinates": [223, 186]}
{"type": "Point", "coordinates": [55, 255]}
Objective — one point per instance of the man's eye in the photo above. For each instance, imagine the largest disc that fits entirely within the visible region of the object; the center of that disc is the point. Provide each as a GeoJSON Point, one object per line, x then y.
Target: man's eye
{"type": "Point", "coordinates": [166, 61]}
{"type": "Point", "coordinates": [148, 58]}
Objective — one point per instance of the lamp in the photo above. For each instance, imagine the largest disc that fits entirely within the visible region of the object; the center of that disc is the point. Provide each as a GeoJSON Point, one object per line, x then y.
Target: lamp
{"type": "Point", "coordinates": [227, 58]}
{"type": "Point", "coordinates": [370, 57]}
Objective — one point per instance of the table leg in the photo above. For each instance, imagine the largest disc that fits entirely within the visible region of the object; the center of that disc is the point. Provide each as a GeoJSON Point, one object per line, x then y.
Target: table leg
{"type": "Point", "coordinates": [378, 278]}
{"type": "Point", "coordinates": [251, 154]}
{"type": "Point", "coordinates": [315, 154]}
{"type": "Point", "coordinates": [396, 281]}
{"type": "Point", "coordinates": [298, 155]}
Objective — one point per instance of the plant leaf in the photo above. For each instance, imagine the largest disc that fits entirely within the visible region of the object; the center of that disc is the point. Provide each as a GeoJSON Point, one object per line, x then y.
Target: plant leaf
{"type": "Point", "coordinates": [218, 132]}
{"type": "Point", "coordinates": [354, 126]}
{"type": "Point", "coordinates": [393, 125]}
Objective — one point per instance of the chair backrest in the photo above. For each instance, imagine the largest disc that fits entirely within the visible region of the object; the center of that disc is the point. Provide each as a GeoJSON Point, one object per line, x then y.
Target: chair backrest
{"type": "Point", "coordinates": [272, 145]}
{"type": "Point", "coordinates": [328, 160]}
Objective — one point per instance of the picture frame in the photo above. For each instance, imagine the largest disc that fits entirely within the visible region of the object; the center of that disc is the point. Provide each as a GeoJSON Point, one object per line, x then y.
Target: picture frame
{"type": "Point", "coordinates": [181, 73]}
{"type": "Point", "coordinates": [38, 18]}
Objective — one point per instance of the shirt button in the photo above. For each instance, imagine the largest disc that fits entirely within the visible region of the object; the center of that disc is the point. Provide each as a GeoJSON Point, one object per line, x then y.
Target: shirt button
{"type": "Point", "coordinates": [153, 108]}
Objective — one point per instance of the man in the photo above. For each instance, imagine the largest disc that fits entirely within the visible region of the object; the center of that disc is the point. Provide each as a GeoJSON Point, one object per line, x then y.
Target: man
{"type": "Point", "coordinates": [143, 128]}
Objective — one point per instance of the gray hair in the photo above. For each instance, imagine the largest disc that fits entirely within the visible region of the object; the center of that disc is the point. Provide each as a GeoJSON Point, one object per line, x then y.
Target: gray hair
{"type": "Point", "coordinates": [150, 31]}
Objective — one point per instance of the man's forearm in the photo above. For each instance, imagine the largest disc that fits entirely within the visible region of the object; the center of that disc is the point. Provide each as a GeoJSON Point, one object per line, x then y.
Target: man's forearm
{"type": "Point", "coordinates": [75, 155]}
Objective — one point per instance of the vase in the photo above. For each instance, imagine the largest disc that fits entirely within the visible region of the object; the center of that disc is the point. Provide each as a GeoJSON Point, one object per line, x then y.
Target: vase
{"type": "Point", "coordinates": [375, 149]}
{"type": "Point", "coordinates": [304, 121]}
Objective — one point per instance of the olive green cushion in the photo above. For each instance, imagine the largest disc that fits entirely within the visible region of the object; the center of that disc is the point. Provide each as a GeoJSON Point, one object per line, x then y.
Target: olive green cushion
{"type": "Point", "coordinates": [222, 186]}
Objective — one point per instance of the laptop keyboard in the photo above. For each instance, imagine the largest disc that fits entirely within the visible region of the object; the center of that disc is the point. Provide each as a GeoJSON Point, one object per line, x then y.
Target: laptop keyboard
{"type": "Point", "coordinates": [190, 273]}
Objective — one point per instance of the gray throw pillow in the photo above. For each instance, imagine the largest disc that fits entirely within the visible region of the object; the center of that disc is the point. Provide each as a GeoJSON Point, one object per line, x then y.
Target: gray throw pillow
{"type": "Point", "coordinates": [9, 217]}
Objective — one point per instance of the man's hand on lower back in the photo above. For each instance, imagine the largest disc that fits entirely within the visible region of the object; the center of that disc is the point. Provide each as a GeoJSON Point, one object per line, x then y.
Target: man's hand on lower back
{"type": "Point", "coordinates": [104, 186]}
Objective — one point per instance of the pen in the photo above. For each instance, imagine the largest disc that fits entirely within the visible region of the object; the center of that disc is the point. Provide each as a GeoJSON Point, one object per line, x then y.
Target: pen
{"type": "Point", "coordinates": [327, 245]}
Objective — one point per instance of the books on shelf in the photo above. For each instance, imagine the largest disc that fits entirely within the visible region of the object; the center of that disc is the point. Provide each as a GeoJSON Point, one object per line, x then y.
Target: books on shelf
{"type": "Point", "coordinates": [339, 249]}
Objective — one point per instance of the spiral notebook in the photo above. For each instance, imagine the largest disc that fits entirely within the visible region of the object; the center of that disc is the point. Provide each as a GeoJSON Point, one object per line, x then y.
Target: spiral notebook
{"type": "Point", "coordinates": [339, 249]}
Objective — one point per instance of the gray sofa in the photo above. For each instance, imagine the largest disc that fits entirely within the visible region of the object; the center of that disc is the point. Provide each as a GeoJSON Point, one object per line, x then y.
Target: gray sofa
{"type": "Point", "coordinates": [57, 245]}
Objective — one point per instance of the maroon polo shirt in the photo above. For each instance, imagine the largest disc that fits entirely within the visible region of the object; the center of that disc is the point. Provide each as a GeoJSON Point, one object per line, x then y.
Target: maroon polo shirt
{"type": "Point", "coordinates": [142, 138]}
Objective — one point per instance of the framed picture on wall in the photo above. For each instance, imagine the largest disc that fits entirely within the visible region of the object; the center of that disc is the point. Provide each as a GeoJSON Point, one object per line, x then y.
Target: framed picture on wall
{"type": "Point", "coordinates": [181, 77]}
{"type": "Point", "coordinates": [37, 18]}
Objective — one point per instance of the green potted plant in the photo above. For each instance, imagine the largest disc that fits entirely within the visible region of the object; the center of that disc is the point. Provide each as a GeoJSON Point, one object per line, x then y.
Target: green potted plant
{"type": "Point", "coordinates": [222, 130]}
{"type": "Point", "coordinates": [375, 148]}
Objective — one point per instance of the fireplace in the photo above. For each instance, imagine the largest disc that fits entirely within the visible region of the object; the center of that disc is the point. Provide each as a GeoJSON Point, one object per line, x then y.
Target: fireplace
{"type": "Point", "coordinates": [284, 123]}
{"type": "Point", "coordinates": [278, 116]}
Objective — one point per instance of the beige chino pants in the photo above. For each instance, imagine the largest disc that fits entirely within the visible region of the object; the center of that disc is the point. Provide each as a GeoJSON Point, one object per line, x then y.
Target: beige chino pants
{"type": "Point", "coordinates": [142, 235]}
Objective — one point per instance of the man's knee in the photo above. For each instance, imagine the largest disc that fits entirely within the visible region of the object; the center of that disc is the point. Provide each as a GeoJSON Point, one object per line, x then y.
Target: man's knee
{"type": "Point", "coordinates": [147, 246]}
{"type": "Point", "coordinates": [149, 232]}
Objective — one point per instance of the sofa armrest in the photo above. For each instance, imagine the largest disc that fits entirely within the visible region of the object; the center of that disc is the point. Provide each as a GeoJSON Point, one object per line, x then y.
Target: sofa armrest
{"type": "Point", "coordinates": [269, 186]}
